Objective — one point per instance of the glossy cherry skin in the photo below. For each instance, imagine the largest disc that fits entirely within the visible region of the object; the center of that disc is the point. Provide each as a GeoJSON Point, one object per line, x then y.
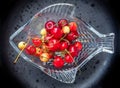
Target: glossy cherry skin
{"type": "Point", "coordinates": [56, 32]}
{"type": "Point", "coordinates": [68, 58]}
{"type": "Point", "coordinates": [63, 45]}
{"type": "Point", "coordinates": [38, 51]}
{"type": "Point", "coordinates": [73, 51]}
{"type": "Point", "coordinates": [58, 62]}
{"type": "Point", "coordinates": [22, 45]}
{"type": "Point", "coordinates": [66, 29]}
{"type": "Point", "coordinates": [73, 26]}
{"type": "Point", "coordinates": [71, 36]}
{"type": "Point", "coordinates": [44, 57]}
{"type": "Point", "coordinates": [78, 45]}
{"type": "Point", "coordinates": [36, 41]}
{"type": "Point", "coordinates": [30, 49]}
{"type": "Point", "coordinates": [49, 25]}
{"type": "Point", "coordinates": [62, 23]}
{"type": "Point", "coordinates": [53, 45]}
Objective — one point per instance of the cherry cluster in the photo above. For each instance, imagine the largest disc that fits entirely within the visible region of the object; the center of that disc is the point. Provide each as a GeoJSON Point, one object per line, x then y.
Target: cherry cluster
{"type": "Point", "coordinates": [57, 41]}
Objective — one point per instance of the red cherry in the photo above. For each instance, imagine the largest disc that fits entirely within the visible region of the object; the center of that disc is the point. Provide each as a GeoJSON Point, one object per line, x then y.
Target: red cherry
{"type": "Point", "coordinates": [49, 25]}
{"type": "Point", "coordinates": [73, 26]}
{"type": "Point", "coordinates": [68, 59]}
{"type": "Point", "coordinates": [58, 62]}
{"type": "Point", "coordinates": [71, 36]}
{"type": "Point", "coordinates": [57, 46]}
{"type": "Point", "coordinates": [76, 33]}
{"type": "Point", "coordinates": [63, 45]}
{"type": "Point", "coordinates": [73, 50]}
{"type": "Point", "coordinates": [56, 32]}
{"type": "Point", "coordinates": [53, 45]}
{"type": "Point", "coordinates": [30, 49]}
{"type": "Point", "coordinates": [78, 45]}
{"type": "Point", "coordinates": [62, 23]}
{"type": "Point", "coordinates": [36, 41]}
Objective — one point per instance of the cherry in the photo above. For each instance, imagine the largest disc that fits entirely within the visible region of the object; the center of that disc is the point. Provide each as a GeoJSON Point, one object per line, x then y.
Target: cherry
{"type": "Point", "coordinates": [58, 62]}
{"type": "Point", "coordinates": [71, 36]}
{"type": "Point", "coordinates": [22, 45]}
{"type": "Point", "coordinates": [36, 41]}
{"type": "Point", "coordinates": [62, 23]}
{"type": "Point", "coordinates": [78, 45]}
{"type": "Point", "coordinates": [63, 45]}
{"type": "Point", "coordinates": [43, 32]}
{"type": "Point", "coordinates": [73, 26]}
{"type": "Point", "coordinates": [49, 25]}
{"type": "Point", "coordinates": [57, 46]}
{"type": "Point", "coordinates": [73, 50]}
{"type": "Point", "coordinates": [76, 33]}
{"type": "Point", "coordinates": [53, 44]}
{"type": "Point", "coordinates": [44, 57]}
{"type": "Point", "coordinates": [66, 29]}
{"type": "Point", "coordinates": [30, 49]}
{"type": "Point", "coordinates": [56, 32]}
{"type": "Point", "coordinates": [68, 58]}
{"type": "Point", "coordinates": [38, 52]}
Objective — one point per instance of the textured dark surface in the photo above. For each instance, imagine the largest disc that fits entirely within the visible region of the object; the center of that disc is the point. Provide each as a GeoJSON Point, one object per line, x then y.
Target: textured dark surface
{"type": "Point", "coordinates": [91, 11]}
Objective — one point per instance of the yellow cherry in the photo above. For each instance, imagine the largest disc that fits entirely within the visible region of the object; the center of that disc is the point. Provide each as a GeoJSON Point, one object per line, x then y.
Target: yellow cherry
{"type": "Point", "coordinates": [43, 32]}
{"type": "Point", "coordinates": [38, 51]}
{"type": "Point", "coordinates": [66, 29]}
{"type": "Point", "coordinates": [21, 45]}
{"type": "Point", "coordinates": [44, 57]}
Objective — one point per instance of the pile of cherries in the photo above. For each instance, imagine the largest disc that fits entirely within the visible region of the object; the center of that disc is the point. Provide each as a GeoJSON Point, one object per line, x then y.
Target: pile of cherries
{"type": "Point", "coordinates": [57, 41]}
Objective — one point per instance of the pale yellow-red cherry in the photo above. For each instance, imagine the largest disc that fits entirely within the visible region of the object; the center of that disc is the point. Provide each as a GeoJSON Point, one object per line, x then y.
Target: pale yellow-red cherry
{"type": "Point", "coordinates": [22, 45]}
{"type": "Point", "coordinates": [44, 57]}
{"type": "Point", "coordinates": [66, 29]}
{"type": "Point", "coordinates": [38, 51]}
{"type": "Point", "coordinates": [43, 32]}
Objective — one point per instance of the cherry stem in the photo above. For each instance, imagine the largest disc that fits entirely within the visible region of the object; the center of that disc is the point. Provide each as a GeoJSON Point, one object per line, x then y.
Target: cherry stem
{"type": "Point", "coordinates": [63, 37]}
{"type": "Point", "coordinates": [66, 41]}
{"type": "Point", "coordinates": [21, 51]}
{"type": "Point", "coordinates": [70, 55]}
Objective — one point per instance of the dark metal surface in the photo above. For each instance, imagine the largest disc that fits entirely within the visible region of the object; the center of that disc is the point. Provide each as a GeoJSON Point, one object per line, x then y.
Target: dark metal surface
{"type": "Point", "coordinates": [93, 12]}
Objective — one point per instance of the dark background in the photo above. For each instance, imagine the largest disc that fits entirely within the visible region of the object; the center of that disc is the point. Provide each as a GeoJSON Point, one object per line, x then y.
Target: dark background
{"type": "Point", "coordinates": [109, 81]}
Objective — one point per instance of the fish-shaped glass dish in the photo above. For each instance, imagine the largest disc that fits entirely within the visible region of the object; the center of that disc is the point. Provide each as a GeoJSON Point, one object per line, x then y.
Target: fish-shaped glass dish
{"type": "Point", "coordinates": [93, 42]}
